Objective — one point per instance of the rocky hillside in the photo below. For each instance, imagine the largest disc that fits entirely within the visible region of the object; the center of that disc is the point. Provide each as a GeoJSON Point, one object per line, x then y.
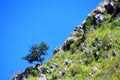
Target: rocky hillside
{"type": "Point", "coordinates": [92, 52]}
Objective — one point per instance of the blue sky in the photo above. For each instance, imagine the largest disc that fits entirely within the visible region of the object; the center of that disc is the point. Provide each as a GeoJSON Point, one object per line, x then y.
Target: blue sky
{"type": "Point", "coordinates": [27, 22]}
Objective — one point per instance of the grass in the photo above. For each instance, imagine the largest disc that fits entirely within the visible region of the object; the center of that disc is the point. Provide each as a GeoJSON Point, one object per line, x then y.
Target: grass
{"type": "Point", "coordinates": [108, 34]}
{"type": "Point", "coordinates": [107, 66]}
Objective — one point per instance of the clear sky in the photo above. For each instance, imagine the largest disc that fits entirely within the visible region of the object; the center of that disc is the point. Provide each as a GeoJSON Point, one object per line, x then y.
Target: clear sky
{"type": "Point", "coordinates": [27, 22]}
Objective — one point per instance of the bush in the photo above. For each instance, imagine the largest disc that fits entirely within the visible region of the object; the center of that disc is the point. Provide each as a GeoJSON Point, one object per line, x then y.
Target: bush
{"type": "Point", "coordinates": [34, 72]}
{"type": "Point", "coordinates": [73, 48]}
{"type": "Point", "coordinates": [54, 77]}
{"type": "Point", "coordinates": [115, 24]}
{"type": "Point", "coordinates": [78, 34]}
{"type": "Point", "coordinates": [66, 45]}
{"type": "Point", "coordinates": [74, 69]}
{"type": "Point", "coordinates": [107, 16]}
{"type": "Point", "coordinates": [80, 40]}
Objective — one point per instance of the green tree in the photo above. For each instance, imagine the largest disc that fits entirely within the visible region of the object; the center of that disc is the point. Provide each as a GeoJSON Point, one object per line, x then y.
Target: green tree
{"type": "Point", "coordinates": [36, 53]}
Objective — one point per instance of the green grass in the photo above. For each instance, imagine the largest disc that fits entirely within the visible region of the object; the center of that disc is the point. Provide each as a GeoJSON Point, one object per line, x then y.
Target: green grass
{"type": "Point", "coordinates": [108, 34]}
{"type": "Point", "coordinates": [32, 78]}
{"type": "Point", "coordinates": [109, 68]}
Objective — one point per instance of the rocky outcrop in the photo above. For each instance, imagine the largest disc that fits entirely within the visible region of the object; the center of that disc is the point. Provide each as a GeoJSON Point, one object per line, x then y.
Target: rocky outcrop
{"type": "Point", "coordinates": [95, 51]}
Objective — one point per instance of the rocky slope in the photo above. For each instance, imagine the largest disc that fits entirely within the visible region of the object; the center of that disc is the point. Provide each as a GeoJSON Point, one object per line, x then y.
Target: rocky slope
{"type": "Point", "coordinates": [92, 52]}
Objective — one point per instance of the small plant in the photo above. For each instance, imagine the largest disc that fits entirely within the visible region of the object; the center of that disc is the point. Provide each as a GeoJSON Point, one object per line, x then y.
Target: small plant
{"type": "Point", "coordinates": [78, 34]}
{"type": "Point", "coordinates": [73, 48]}
{"type": "Point", "coordinates": [54, 77]}
{"type": "Point", "coordinates": [107, 16]}
{"type": "Point", "coordinates": [74, 69]}
{"type": "Point", "coordinates": [66, 45]}
{"type": "Point", "coordinates": [34, 72]}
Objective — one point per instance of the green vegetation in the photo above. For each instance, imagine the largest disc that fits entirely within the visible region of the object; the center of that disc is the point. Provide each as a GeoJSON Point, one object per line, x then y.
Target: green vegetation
{"type": "Point", "coordinates": [36, 53]}
{"type": "Point", "coordinates": [93, 54]}
{"type": "Point", "coordinates": [109, 67]}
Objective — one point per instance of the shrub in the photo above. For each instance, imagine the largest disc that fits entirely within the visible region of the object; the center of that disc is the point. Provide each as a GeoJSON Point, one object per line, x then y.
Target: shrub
{"type": "Point", "coordinates": [54, 77]}
{"type": "Point", "coordinates": [107, 16]}
{"type": "Point", "coordinates": [66, 45]}
{"type": "Point", "coordinates": [78, 34]}
{"type": "Point", "coordinates": [34, 72]}
{"type": "Point", "coordinates": [115, 24]}
{"type": "Point", "coordinates": [74, 69]}
{"type": "Point", "coordinates": [73, 48]}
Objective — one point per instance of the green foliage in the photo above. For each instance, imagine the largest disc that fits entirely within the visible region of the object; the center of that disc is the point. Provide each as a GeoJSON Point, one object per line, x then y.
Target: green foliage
{"type": "Point", "coordinates": [13, 78]}
{"type": "Point", "coordinates": [88, 21]}
{"type": "Point", "coordinates": [107, 16]}
{"type": "Point", "coordinates": [78, 34]}
{"type": "Point", "coordinates": [73, 48]}
{"type": "Point", "coordinates": [74, 69]}
{"type": "Point", "coordinates": [83, 62]}
{"type": "Point", "coordinates": [80, 40]}
{"type": "Point", "coordinates": [66, 45]}
{"type": "Point", "coordinates": [34, 72]}
{"type": "Point", "coordinates": [32, 78]}
{"type": "Point", "coordinates": [36, 53]}
{"type": "Point", "coordinates": [109, 67]}
{"type": "Point", "coordinates": [54, 77]}
{"type": "Point", "coordinates": [108, 37]}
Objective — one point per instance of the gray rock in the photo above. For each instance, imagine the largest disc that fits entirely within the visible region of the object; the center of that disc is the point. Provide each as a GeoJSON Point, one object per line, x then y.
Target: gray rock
{"type": "Point", "coordinates": [94, 70]}
{"type": "Point", "coordinates": [67, 61]}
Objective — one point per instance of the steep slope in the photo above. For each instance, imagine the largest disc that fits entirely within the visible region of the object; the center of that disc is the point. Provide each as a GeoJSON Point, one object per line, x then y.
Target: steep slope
{"type": "Point", "coordinates": [84, 61]}
{"type": "Point", "coordinates": [92, 52]}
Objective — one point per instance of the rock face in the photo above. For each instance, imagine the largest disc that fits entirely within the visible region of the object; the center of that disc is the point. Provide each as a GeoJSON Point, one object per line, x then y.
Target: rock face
{"type": "Point", "coordinates": [97, 17]}
{"type": "Point", "coordinates": [94, 43]}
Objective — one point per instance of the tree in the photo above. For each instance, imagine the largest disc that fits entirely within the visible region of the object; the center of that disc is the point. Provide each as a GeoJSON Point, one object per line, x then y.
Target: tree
{"type": "Point", "coordinates": [37, 52]}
